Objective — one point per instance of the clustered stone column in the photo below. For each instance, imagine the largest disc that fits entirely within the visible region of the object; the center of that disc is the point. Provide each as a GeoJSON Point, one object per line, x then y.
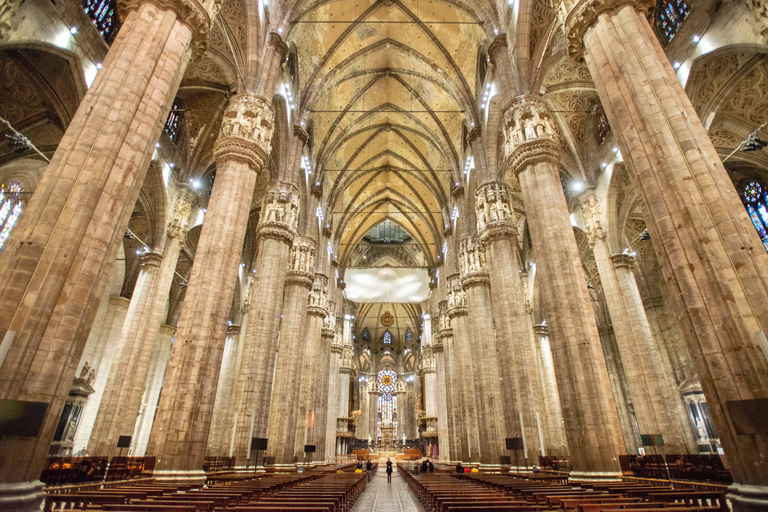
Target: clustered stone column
{"type": "Point", "coordinates": [345, 370]}
{"type": "Point", "coordinates": [481, 351]}
{"type": "Point", "coordinates": [463, 384]}
{"type": "Point", "coordinates": [556, 441]}
{"type": "Point", "coordinates": [515, 348]}
{"type": "Point", "coordinates": [321, 405]}
{"type": "Point", "coordinates": [333, 396]}
{"type": "Point", "coordinates": [283, 410]}
{"type": "Point", "coordinates": [180, 432]}
{"type": "Point", "coordinates": [452, 393]}
{"type": "Point", "coordinates": [591, 422]}
{"type": "Point", "coordinates": [220, 436]}
{"type": "Point", "coordinates": [441, 383]}
{"type": "Point", "coordinates": [58, 259]}
{"type": "Point", "coordinates": [709, 253]}
{"type": "Point", "coordinates": [313, 357]}
{"type": "Point", "coordinates": [277, 229]}
{"type": "Point", "coordinates": [125, 387]}
{"type": "Point", "coordinates": [373, 398]}
{"type": "Point", "coordinates": [657, 404]}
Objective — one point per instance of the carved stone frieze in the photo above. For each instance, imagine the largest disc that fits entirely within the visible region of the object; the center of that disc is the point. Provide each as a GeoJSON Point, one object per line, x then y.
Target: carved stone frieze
{"type": "Point", "coordinates": [317, 301]}
{"type": "Point", "coordinates": [591, 212]}
{"type": "Point", "coordinates": [585, 13]}
{"type": "Point", "coordinates": [493, 212]}
{"type": "Point", "coordinates": [190, 12]}
{"type": "Point", "coordinates": [8, 10]}
{"type": "Point", "coordinates": [759, 10]}
{"type": "Point", "coordinates": [530, 153]}
{"type": "Point", "coordinates": [246, 131]}
{"type": "Point", "coordinates": [456, 298]}
{"type": "Point", "coordinates": [182, 209]}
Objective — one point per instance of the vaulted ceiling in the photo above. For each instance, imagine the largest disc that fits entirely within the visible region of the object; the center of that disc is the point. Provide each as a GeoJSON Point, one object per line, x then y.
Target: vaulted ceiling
{"type": "Point", "coordinates": [387, 88]}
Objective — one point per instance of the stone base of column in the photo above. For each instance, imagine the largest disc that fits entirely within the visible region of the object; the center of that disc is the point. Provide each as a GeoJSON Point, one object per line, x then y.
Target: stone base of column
{"type": "Point", "coordinates": [595, 476]}
{"type": "Point", "coordinates": [193, 476]}
{"type": "Point", "coordinates": [22, 496]}
{"type": "Point", "coordinates": [748, 498]}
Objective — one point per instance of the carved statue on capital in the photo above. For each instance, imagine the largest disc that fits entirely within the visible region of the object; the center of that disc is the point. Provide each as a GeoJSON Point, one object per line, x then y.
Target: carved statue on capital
{"type": "Point", "coordinates": [280, 209]}
{"type": "Point", "coordinates": [246, 130]}
{"type": "Point", "coordinates": [492, 208]}
{"type": "Point", "coordinates": [759, 10]}
{"type": "Point", "coordinates": [318, 296]}
{"type": "Point", "coordinates": [585, 13]}
{"type": "Point", "coordinates": [182, 210]}
{"type": "Point", "coordinates": [471, 257]}
{"type": "Point", "coordinates": [527, 120]}
{"type": "Point", "coordinates": [591, 212]}
{"type": "Point", "coordinates": [302, 264]}
{"type": "Point", "coordinates": [8, 10]}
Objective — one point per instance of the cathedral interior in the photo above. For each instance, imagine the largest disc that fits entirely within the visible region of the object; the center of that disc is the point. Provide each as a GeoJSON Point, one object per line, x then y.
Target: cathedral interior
{"type": "Point", "coordinates": [287, 235]}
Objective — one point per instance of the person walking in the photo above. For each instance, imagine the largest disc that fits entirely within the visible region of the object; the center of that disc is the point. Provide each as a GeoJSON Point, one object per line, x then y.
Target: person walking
{"type": "Point", "coordinates": [389, 471]}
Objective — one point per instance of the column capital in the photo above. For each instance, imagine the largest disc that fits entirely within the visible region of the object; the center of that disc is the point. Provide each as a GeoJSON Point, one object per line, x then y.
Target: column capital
{"type": "Point", "coordinates": [280, 212]}
{"type": "Point", "coordinates": [529, 133]}
{"type": "Point", "coordinates": [189, 12]}
{"type": "Point", "coordinates": [759, 10]}
{"type": "Point", "coordinates": [472, 263]}
{"type": "Point", "coordinates": [10, 8]}
{"type": "Point", "coordinates": [592, 213]}
{"type": "Point", "coordinates": [302, 262]}
{"type": "Point", "coordinates": [499, 43]}
{"type": "Point", "coordinates": [316, 311]}
{"type": "Point", "coordinates": [493, 211]}
{"type": "Point", "coordinates": [474, 134]}
{"type": "Point", "coordinates": [151, 259]}
{"type": "Point", "coordinates": [246, 131]}
{"type": "Point", "coordinates": [276, 41]}
{"type": "Point", "coordinates": [622, 260]}
{"type": "Point", "coordinates": [457, 300]}
{"type": "Point", "coordinates": [182, 210]}
{"type": "Point", "coordinates": [584, 14]}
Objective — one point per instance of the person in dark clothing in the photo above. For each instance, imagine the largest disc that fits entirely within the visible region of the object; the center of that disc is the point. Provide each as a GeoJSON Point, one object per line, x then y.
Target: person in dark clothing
{"type": "Point", "coordinates": [431, 466]}
{"type": "Point", "coordinates": [389, 471]}
{"type": "Point", "coordinates": [416, 470]}
{"type": "Point", "coordinates": [368, 465]}
{"type": "Point", "coordinates": [459, 468]}
{"type": "Point", "coordinates": [359, 465]}
{"type": "Point", "coordinates": [424, 467]}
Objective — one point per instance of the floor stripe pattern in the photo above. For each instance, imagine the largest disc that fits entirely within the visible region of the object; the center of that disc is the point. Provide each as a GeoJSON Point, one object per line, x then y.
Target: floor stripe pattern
{"type": "Point", "coordinates": [380, 496]}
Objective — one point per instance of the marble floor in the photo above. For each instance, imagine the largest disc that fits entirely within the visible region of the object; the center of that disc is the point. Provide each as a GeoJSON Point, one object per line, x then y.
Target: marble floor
{"type": "Point", "coordinates": [380, 496]}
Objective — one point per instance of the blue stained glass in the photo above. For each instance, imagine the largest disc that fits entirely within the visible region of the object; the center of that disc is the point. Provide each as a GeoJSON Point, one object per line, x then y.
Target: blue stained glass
{"type": "Point", "coordinates": [9, 225]}
{"type": "Point", "coordinates": [672, 13]}
{"type": "Point", "coordinates": [387, 337]}
{"type": "Point", "coordinates": [172, 124]}
{"type": "Point", "coordinates": [763, 211]}
{"type": "Point", "coordinates": [756, 221]}
{"type": "Point", "coordinates": [102, 15]}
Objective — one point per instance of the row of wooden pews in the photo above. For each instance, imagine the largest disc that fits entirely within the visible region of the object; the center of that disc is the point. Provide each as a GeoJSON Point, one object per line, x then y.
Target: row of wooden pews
{"type": "Point", "coordinates": [317, 490]}
{"type": "Point", "coordinates": [478, 492]}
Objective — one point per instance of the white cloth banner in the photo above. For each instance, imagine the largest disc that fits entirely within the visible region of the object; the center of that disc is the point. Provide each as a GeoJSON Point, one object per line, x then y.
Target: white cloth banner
{"type": "Point", "coordinates": [386, 284]}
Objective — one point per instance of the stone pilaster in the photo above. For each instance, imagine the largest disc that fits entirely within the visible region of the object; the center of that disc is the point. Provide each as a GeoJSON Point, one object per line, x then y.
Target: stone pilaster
{"type": "Point", "coordinates": [482, 349]}
{"type": "Point", "coordinates": [373, 399]}
{"type": "Point", "coordinates": [125, 387]}
{"type": "Point", "coordinates": [442, 391]}
{"type": "Point", "coordinates": [591, 422]}
{"type": "Point", "coordinates": [515, 346]}
{"type": "Point", "coordinates": [276, 232]}
{"type": "Point", "coordinates": [463, 387]}
{"type": "Point", "coordinates": [333, 396]}
{"type": "Point", "coordinates": [284, 406]}
{"type": "Point", "coordinates": [708, 250]}
{"type": "Point", "coordinates": [57, 261]}
{"type": "Point", "coordinates": [556, 440]}
{"type": "Point", "coordinates": [184, 413]}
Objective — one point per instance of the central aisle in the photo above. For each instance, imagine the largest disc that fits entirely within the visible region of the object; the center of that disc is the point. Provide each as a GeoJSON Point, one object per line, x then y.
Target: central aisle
{"type": "Point", "coordinates": [381, 496]}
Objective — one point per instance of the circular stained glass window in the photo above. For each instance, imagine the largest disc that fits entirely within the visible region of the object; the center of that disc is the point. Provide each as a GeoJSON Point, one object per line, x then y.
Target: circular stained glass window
{"type": "Point", "coordinates": [387, 378]}
{"type": "Point", "coordinates": [752, 191]}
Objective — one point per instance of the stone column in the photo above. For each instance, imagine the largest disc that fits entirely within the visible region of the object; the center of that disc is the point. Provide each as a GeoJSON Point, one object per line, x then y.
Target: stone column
{"type": "Point", "coordinates": [125, 387]}
{"type": "Point", "coordinates": [333, 396]}
{"type": "Point", "coordinates": [161, 352]}
{"type": "Point", "coordinates": [481, 351]}
{"type": "Point", "coordinates": [657, 404]}
{"type": "Point", "coordinates": [58, 259]}
{"type": "Point", "coordinates": [708, 250]}
{"type": "Point", "coordinates": [556, 441]}
{"type": "Point", "coordinates": [342, 401]}
{"type": "Point", "coordinates": [284, 406]}
{"type": "Point", "coordinates": [373, 400]}
{"type": "Point", "coordinates": [180, 433]}
{"type": "Point", "coordinates": [591, 422]}
{"type": "Point", "coordinates": [515, 348]}
{"type": "Point", "coordinates": [322, 400]}
{"type": "Point", "coordinates": [463, 377]}
{"type": "Point", "coordinates": [100, 361]}
{"type": "Point", "coordinates": [220, 435]}
{"type": "Point", "coordinates": [430, 382]}
{"type": "Point", "coordinates": [277, 229]}
{"type": "Point", "coordinates": [442, 392]}
{"type": "Point", "coordinates": [310, 369]}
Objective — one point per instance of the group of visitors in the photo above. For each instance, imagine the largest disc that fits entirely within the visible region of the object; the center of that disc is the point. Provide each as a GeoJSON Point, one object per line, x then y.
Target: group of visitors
{"type": "Point", "coordinates": [426, 465]}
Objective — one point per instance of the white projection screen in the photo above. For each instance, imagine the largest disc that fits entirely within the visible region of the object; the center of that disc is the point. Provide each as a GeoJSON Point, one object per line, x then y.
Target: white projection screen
{"type": "Point", "coordinates": [386, 284]}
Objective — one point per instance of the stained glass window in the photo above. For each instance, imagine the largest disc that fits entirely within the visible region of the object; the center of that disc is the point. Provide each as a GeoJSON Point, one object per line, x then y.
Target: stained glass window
{"type": "Point", "coordinates": [601, 127]}
{"type": "Point", "coordinates": [408, 335]}
{"type": "Point", "coordinates": [213, 177]}
{"type": "Point", "coordinates": [173, 122]}
{"type": "Point", "coordinates": [103, 14]}
{"type": "Point", "coordinates": [387, 404]}
{"type": "Point", "coordinates": [387, 337]}
{"type": "Point", "coordinates": [672, 13]}
{"type": "Point", "coordinates": [10, 199]}
{"type": "Point", "coordinates": [756, 201]}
